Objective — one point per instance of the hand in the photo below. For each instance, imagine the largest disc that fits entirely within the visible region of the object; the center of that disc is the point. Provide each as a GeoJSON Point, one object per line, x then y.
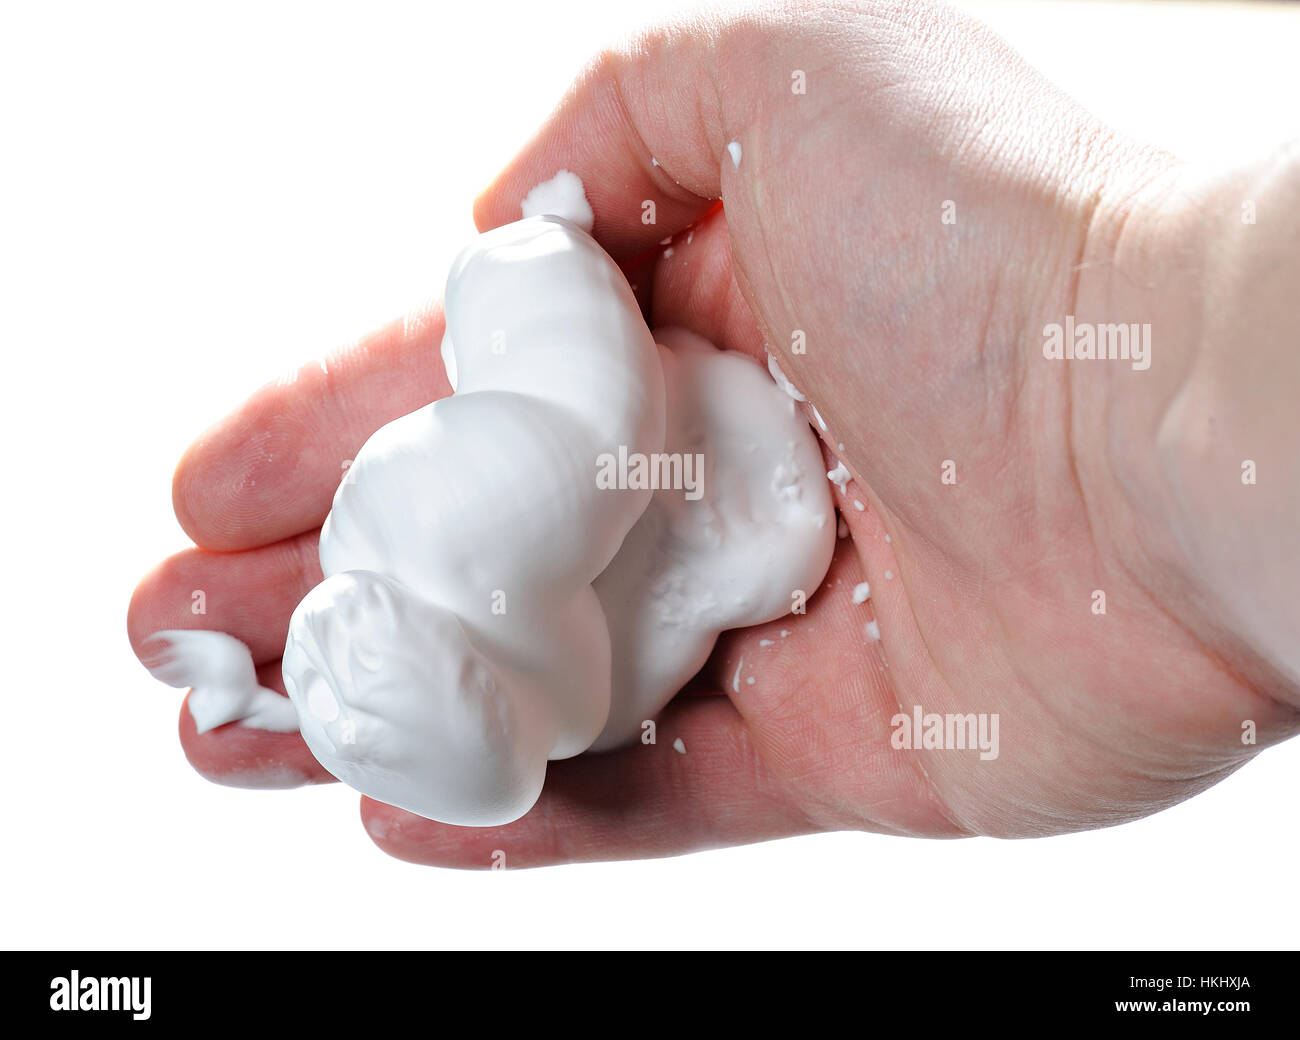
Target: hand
{"type": "Point", "coordinates": [923, 347]}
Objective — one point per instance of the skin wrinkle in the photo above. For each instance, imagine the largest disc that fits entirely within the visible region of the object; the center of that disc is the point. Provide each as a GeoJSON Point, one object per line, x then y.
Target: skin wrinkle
{"type": "Point", "coordinates": [764, 780]}
{"type": "Point", "coordinates": [1058, 714]}
{"type": "Point", "coordinates": [1216, 660]}
{"type": "Point", "coordinates": [759, 191]}
{"type": "Point", "coordinates": [624, 65]}
{"type": "Point", "coordinates": [948, 811]}
{"type": "Point", "coordinates": [762, 713]}
{"type": "Point", "coordinates": [1091, 209]}
{"type": "Point", "coordinates": [1160, 183]}
{"type": "Point", "coordinates": [715, 818]}
{"type": "Point", "coordinates": [614, 68]}
{"type": "Point", "coordinates": [1010, 408]}
{"type": "Point", "coordinates": [1100, 740]}
{"type": "Point", "coordinates": [939, 802]}
{"type": "Point", "coordinates": [837, 815]}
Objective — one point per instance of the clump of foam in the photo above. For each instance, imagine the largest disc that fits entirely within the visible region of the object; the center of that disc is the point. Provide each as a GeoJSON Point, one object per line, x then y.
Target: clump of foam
{"type": "Point", "coordinates": [488, 605]}
{"type": "Point", "coordinates": [219, 670]}
{"type": "Point", "coordinates": [775, 369]}
{"type": "Point", "coordinates": [561, 196]}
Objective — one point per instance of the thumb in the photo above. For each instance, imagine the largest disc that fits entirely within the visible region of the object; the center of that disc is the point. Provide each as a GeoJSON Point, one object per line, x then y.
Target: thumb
{"type": "Point", "coordinates": [643, 127]}
{"type": "Point", "coordinates": [833, 135]}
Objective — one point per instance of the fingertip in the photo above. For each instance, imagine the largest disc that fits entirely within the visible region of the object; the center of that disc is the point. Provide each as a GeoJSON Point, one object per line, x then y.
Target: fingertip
{"type": "Point", "coordinates": [270, 469]}
{"type": "Point", "coordinates": [144, 618]}
{"type": "Point", "coordinates": [248, 479]}
{"type": "Point", "coordinates": [235, 755]}
{"type": "Point", "coordinates": [413, 839]}
{"type": "Point", "coordinates": [187, 500]}
{"type": "Point", "coordinates": [625, 122]}
{"type": "Point", "coordinates": [248, 595]}
{"type": "Point", "coordinates": [487, 209]}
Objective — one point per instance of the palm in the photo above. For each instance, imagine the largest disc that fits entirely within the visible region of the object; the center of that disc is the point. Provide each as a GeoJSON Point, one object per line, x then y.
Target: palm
{"type": "Point", "coordinates": [923, 347]}
{"type": "Point", "coordinates": [983, 593]}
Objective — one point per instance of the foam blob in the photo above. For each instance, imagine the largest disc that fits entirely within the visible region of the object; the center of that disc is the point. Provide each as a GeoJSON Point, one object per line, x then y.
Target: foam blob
{"type": "Point", "coordinates": [492, 599]}
{"type": "Point", "coordinates": [561, 196]}
{"type": "Point", "coordinates": [220, 670]}
{"type": "Point", "coordinates": [732, 558]}
{"type": "Point", "coordinates": [457, 627]}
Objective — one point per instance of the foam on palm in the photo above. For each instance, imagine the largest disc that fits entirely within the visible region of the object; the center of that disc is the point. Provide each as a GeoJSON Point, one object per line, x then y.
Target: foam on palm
{"type": "Point", "coordinates": [487, 607]}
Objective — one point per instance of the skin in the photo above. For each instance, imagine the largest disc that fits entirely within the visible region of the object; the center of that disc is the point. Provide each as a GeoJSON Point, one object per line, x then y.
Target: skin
{"type": "Point", "coordinates": [923, 344]}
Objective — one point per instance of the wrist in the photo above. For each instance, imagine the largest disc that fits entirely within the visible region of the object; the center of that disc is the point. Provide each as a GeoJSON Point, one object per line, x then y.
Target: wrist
{"type": "Point", "coordinates": [1195, 457]}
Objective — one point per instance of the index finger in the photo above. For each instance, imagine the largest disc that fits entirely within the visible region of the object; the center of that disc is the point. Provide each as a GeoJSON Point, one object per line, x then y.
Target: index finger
{"type": "Point", "coordinates": [269, 470]}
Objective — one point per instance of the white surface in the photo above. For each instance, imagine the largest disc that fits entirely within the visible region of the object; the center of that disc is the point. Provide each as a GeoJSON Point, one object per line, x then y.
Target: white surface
{"type": "Point", "coordinates": [192, 201]}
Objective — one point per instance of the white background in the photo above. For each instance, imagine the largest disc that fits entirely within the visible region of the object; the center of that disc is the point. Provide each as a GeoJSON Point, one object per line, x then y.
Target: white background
{"type": "Point", "coordinates": [194, 199]}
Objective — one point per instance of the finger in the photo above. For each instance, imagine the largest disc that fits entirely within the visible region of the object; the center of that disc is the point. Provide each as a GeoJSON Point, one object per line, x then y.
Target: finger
{"type": "Point", "coordinates": [269, 470]}
{"type": "Point", "coordinates": [248, 595]}
{"type": "Point", "coordinates": [695, 287]}
{"type": "Point", "coordinates": [645, 125]}
{"type": "Point", "coordinates": [241, 756]}
{"type": "Point", "coordinates": [639, 270]}
{"type": "Point", "coordinates": [645, 800]}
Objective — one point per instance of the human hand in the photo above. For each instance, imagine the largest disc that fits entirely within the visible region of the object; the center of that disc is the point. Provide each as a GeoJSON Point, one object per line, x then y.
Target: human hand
{"type": "Point", "coordinates": [923, 346]}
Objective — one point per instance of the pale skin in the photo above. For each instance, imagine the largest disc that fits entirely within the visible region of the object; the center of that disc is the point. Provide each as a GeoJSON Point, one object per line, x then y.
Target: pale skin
{"type": "Point", "coordinates": [923, 346]}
